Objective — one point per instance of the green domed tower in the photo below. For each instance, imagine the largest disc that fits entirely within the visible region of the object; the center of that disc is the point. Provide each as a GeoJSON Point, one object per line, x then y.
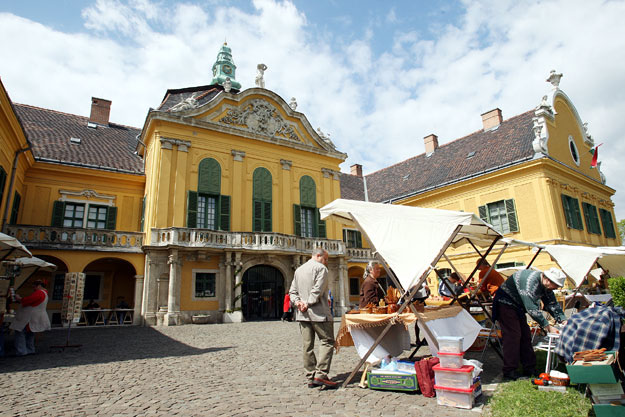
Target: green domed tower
{"type": "Point", "coordinates": [224, 68]}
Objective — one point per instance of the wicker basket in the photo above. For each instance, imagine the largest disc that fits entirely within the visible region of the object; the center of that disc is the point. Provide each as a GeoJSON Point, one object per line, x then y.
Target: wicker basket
{"type": "Point", "coordinates": [380, 310]}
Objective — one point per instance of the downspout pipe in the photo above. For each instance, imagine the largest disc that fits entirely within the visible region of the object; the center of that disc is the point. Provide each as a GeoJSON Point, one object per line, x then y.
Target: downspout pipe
{"type": "Point", "coordinates": [11, 183]}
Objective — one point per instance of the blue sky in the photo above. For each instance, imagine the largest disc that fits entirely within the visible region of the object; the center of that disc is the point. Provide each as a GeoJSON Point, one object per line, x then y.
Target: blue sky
{"type": "Point", "coordinates": [378, 76]}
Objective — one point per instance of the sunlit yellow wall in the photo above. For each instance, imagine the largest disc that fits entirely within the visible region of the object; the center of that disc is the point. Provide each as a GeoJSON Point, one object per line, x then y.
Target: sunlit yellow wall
{"type": "Point", "coordinates": [167, 187]}
{"type": "Point", "coordinates": [12, 140]}
{"type": "Point", "coordinates": [187, 290]}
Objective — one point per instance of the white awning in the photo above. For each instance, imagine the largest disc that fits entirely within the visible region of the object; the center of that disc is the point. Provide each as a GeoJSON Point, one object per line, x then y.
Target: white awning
{"type": "Point", "coordinates": [11, 248]}
{"type": "Point", "coordinates": [409, 239]}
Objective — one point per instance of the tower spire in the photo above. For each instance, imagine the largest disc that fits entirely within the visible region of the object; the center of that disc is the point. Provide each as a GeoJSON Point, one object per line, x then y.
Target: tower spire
{"type": "Point", "coordinates": [224, 68]}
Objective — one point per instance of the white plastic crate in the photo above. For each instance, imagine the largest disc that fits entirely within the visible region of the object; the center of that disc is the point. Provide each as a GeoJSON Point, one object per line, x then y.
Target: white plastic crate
{"type": "Point", "coordinates": [453, 377]}
{"type": "Point", "coordinates": [451, 360]}
{"type": "Point", "coordinates": [455, 397]}
{"type": "Point", "coordinates": [450, 344]}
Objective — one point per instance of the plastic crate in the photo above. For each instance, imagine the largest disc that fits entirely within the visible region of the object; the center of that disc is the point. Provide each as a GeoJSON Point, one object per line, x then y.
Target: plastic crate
{"type": "Point", "coordinates": [450, 344]}
{"type": "Point", "coordinates": [453, 377]}
{"type": "Point", "coordinates": [451, 360]}
{"type": "Point", "coordinates": [455, 397]}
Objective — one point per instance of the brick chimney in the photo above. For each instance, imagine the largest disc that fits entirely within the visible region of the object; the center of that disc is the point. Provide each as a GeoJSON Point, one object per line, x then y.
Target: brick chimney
{"type": "Point", "coordinates": [491, 119]}
{"type": "Point", "coordinates": [356, 170]}
{"type": "Point", "coordinates": [100, 111]}
{"type": "Point", "coordinates": [431, 143]}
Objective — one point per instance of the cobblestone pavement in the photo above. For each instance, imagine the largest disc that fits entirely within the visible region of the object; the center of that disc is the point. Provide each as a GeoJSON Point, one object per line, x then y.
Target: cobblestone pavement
{"type": "Point", "coordinates": [242, 369]}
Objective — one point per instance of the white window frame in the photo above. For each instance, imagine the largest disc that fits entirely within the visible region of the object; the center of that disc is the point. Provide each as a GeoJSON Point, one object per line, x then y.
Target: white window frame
{"type": "Point", "coordinates": [194, 273]}
{"type": "Point", "coordinates": [87, 203]}
{"type": "Point", "coordinates": [572, 143]}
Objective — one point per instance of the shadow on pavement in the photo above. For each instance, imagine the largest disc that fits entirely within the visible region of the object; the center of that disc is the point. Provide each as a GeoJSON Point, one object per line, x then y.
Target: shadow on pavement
{"type": "Point", "coordinates": [98, 346]}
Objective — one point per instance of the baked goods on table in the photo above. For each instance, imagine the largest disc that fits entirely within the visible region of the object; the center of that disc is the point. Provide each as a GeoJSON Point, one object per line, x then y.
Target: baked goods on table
{"type": "Point", "coordinates": [591, 355]}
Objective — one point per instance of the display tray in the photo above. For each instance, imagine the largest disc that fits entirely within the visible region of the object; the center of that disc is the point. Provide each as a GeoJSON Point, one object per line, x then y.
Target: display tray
{"type": "Point", "coordinates": [394, 381]}
{"type": "Point", "coordinates": [604, 372]}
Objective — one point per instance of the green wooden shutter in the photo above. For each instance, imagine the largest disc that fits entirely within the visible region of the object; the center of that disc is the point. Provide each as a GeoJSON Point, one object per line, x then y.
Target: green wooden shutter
{"type": "Point", "coordinates": [209, 177]}
{"type": "Point", "coordinates": [567, 210]}
{"type": "Point", "coordinates": [594, 219]}
{"type": "Point", "coordinates": [512, 217]}
{"type": "Point", "coordinates": [297, 220]}
{"type": "Point", "coordinates": [191, 209]}
{"type": "Point", "coordinates": [3, 180]}
{"type": "Point", "coordinates": [111, 218]}
{"type": "Point", "coordinates": [577, 216]}
{"type": "Point", "coordinates": [358, 240]}
{"type": "Point", "coordinates": [587, 217]}
{"type": "Point", "coordinates": [321, 225]}
{"type": "Point", "coordinates": [483, 213]}
{"type": "Point", "coordinates": [143, 213]}
{"type": "Point", "coordinates": [16, 208]}
{"type": "Point", "coordinates": [224, 212]}
{"type": "Point", "coordinates": [58, 212]}
{"type": "Point", "coordinates": [608, 224]}
{"type": "Point", "coordinates": [307, 192]}
{"type": "Point", "coordinates": [345, 237]}
{"type": "Point", "coordinates": [267, 216]}
{"type": "Point", "coordinates": [257, 216]}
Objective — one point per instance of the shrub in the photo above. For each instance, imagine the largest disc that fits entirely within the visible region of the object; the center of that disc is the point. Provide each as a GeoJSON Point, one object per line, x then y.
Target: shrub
{"type": "Point", "coordinates": [617, 289]}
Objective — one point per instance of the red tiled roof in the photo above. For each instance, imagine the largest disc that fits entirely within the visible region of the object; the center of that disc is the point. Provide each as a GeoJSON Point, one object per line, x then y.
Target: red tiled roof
{"type": "Point", "coordinates": [509, 143]}
{"type": "Point", "coordinates": [109, 148]}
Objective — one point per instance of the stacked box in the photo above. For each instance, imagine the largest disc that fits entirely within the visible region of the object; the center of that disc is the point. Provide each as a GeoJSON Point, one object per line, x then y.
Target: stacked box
{"type": "Point", "coordinates": [453, 377]}
{"type": "Point", "coordinates": [390, 380]}
{"type": "Point", "coordinates": [450, 344]}
{"type": "Point", "coordinates": [455, 397]}
{"type": "Point", "coordinates": [451, 360]}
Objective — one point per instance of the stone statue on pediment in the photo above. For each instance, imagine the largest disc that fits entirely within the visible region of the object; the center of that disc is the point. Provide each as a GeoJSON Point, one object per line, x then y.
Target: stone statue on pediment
{"type": "Point", "coordinates": [260, 80]}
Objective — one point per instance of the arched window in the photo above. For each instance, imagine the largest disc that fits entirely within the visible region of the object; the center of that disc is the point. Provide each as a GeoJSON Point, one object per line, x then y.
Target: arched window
{"type": "Point", "coordinates": [207, 208]}
{"type": "Point", "coordinates": [261, 200]}
{"type": "Point", "coordinates": [306, 214]}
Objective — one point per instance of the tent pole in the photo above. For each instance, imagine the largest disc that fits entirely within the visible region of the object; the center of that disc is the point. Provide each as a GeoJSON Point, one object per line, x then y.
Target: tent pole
{"type": "Point", "coordinates": [490, 248]}
{"type": "Point", "coordinates": [534, 258]}
{"type": "Point", "coordinates": [479, 285]}
{"type": "Point", "coordinates": [566, 304]}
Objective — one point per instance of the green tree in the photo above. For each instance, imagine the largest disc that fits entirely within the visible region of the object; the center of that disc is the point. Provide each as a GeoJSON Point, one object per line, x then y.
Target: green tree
{"type": "Point", "coordinates": [621, 230]}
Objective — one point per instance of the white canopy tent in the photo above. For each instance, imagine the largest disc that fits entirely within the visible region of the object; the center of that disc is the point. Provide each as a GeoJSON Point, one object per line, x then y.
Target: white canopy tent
{"type": "Point", "coordinates": [410, 241]}
{"type": "Point", "coordinates": [27, 267]}
{"type": "Point", "coordinates": [11, 248]}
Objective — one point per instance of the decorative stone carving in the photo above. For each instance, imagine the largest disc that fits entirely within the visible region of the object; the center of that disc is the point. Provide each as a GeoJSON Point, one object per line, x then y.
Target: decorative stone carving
{"type": "Point", "coordinates": [286, 164]}
{"type": "Point", "coordinates": [183, 145]}
{"type": "Point", "coordinates": [293, 104]}
{"type": "Point", "coordinates": [554, 79]}
{"type": "Point", "coordinates": [260, 80]}
{"type": "Point", "coordinates": [167, 143]}
{"type": "Point", "coordinates": [260, 117]}
{"type": "Point", "coordinates": [238, 155]}
{"type": "Point", "coordinates": [227, 85]}
{"type": "Point", "coordinates": [587, 137]}
{"type": "Point", "coordinates": [186, 104]}
{"type": "Point", "coordinates": [325, 137]}
{"type": "Point", "coordinates": [65, 194]}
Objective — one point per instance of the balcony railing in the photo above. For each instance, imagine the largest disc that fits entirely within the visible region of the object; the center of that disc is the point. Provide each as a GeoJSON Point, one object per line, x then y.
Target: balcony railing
{"type": "Point", "coordinates": [266, 242]}
{"type": "Point", "coordinates": [359, 254]}
{"type": "Point", "coordinates": [43, 237]}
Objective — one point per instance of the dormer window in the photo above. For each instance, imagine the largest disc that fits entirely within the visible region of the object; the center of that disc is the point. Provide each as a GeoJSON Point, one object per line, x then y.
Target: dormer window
{"type": "Point", "coordinates": [75, 141]}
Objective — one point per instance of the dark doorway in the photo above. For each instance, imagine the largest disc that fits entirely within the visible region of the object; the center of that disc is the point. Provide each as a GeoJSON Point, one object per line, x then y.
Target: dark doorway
{"type": "Point", "coordinates": [262, 293]}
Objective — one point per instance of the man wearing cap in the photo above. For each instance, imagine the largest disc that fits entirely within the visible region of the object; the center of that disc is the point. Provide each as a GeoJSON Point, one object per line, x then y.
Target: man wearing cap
{"type": "Point", "coordinates": [31, 318]}
{"type": "Point", "coordinates": [520, 294]}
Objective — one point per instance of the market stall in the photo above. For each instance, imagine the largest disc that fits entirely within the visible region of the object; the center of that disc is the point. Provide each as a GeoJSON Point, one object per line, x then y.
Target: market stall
{"type": "Point", "coordinates": [11, 248]}
{"type": "Point", "coordinates": [409, 241]}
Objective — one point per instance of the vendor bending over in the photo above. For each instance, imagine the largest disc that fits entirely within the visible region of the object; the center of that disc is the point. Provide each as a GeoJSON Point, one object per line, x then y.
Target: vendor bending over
{"type": "Point", "coordinates": [370, 292]}
{"type": "Point", "coordinates": [453, 287]}
{"type": "Point", "coordinates": [522, 293]}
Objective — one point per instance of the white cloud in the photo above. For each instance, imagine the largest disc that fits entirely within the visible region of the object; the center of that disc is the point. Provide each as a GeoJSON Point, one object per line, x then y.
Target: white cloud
{"type": "Point", "coordinates": [377, 105]}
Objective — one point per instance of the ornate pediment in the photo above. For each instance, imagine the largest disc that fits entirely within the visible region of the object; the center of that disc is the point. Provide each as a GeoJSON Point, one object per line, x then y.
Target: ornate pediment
{"type": "Point", "coordinates": [259, 116]}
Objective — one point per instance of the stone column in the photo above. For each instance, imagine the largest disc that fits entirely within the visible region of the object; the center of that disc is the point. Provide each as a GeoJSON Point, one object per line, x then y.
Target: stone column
{"type": "Point", "coordinates": [343, 288]}
{"type": "Point", "coordinates": [172, 318]}
{"type": "Point", "coordinates": [149, 305]}
{"type": "Point", "coordinates": [136, 318]}
{"type": "Point", "coordinates": [228, 281]}
{"type": "Point", "coordinates": [238, 279]}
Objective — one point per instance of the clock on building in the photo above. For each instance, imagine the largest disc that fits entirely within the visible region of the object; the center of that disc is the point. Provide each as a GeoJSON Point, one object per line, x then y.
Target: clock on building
{"type": "Point", "coordinates": [227, 69]}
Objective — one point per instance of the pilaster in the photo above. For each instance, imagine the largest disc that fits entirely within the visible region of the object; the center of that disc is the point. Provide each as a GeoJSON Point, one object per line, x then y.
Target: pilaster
{"type": "Point", "coordinates": [136, 318]}
{"type": "Point", "coordinates": [172, 317]}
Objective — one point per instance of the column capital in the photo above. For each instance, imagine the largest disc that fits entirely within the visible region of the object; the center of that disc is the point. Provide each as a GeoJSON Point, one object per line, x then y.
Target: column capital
{"type": "Point", "coordinates": [238, 155]}
{"type": "Point", "coordinates": [286, 164]}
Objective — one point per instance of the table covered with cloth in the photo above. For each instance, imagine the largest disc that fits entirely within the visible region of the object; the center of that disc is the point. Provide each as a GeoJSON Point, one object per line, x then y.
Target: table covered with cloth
{"type": "Point", "coordinates": [362, 330]}
{"type": "Point", "coordinates": [593, 328]}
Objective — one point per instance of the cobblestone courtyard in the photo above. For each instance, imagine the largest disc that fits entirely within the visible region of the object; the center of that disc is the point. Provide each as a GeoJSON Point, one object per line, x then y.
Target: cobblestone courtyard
{"type": "Point", "coordinates": [244, 369]}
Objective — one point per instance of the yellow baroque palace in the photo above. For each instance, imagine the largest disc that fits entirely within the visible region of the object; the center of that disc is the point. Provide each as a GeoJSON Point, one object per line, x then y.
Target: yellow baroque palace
{"type": "Point", "coordinates": [206, 211]}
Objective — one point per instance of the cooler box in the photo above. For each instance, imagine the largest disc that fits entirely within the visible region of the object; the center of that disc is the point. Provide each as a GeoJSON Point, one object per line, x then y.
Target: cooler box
{"type": "Point", "coordinates": [395, 381]}
{"type": "Point", "coordinates": [455, 397]}
{"type": "Point", "coordinates": [453, 377]}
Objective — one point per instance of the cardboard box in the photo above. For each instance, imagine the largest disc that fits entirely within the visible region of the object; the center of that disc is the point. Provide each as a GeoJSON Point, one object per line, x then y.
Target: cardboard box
{"type": "Point", "coordinates": [604, 372]}
{"type": "Point", "coordinates": [609, 410]}
{"type": "Point", "coordinates": [394, 381]}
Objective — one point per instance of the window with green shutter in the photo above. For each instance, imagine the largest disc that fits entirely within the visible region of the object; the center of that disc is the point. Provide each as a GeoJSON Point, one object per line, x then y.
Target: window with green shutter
{"type": "Point", "coordinates": [16, 208]}
{"type": "Point", "coordinates": [92, 216]}
{"type": "Point", "coordinates": [206, 207]}
{"type": "Point", "coordinates": [261, 200]}
{"type": "Point", "coordinates": [608, 223]}
{"type": "Point", "coordinates": [352, 238]}
{"type": "Point", "coordinates": [209, 177]}
{"type": "Point", "coordinates": [591, 218]}
{"type": "Point", "coordinates": [572, 213]}
{"type": "Point", "coordinates": [307, 222]}
{"type": "Point", "coordinates": [501, 215]}
{"type": "Point", "coordinates": [3, 181]}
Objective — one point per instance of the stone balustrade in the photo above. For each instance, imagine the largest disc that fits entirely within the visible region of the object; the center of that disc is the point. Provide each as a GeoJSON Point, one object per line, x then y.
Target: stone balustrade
{"type": "Point", "coordinates": [44, 237]}
{"type": "Point", "coordinates": [276, 242]}
{"type": "Point", "coordinates": [359, 254]}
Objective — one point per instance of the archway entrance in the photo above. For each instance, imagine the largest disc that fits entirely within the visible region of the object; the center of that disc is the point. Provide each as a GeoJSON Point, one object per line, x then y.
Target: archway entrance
{"type": "Point", "coordinates": [262, 293]}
